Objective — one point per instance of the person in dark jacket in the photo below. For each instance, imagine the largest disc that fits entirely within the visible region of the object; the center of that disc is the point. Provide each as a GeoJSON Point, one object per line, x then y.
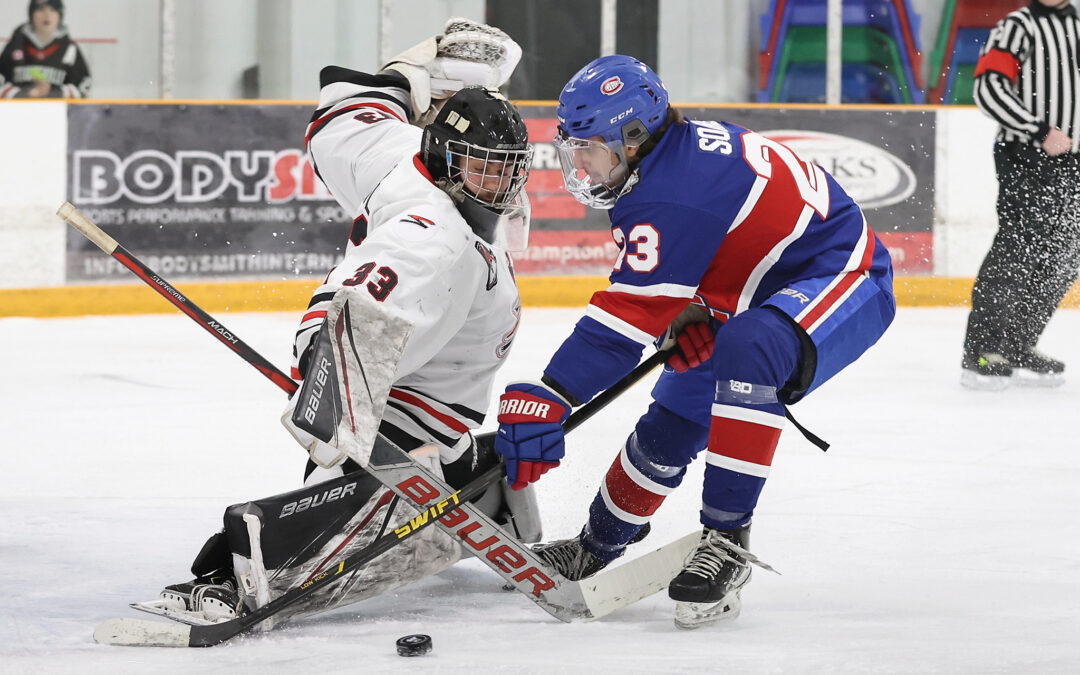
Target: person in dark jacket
{"type": "Point", "coordinates": [40, 60]}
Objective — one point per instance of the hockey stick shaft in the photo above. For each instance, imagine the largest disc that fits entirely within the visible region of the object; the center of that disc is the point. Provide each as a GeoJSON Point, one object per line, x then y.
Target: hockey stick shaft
{"type": "Point", "coordinates": [614, 391]}
{"type": "Point", "coordinates": [95, 234]}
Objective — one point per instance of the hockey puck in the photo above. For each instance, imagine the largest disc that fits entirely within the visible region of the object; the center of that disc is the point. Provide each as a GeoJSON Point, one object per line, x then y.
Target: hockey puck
{"type": "Point", "coordinates": [413, 645]}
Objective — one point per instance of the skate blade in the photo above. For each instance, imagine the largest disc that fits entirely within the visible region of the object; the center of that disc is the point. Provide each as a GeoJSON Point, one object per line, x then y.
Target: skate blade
{"type": "Point", "coordinates": [983, 382]}
{"type": "Point", "coordinates": [691, 615]}
{"type": "Point", "coordinates": [158, 608]}
{"type": "Point", "coordinates": [1026, 378]}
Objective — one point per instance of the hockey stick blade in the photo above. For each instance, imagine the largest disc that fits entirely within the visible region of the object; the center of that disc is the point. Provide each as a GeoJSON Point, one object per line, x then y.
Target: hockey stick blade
{"type": "Point", "coordinates": [636, 579]}
{"type": "Point", "coordinates": [143, 633]}
{"type": "Point", "coordinates": [604, 593]}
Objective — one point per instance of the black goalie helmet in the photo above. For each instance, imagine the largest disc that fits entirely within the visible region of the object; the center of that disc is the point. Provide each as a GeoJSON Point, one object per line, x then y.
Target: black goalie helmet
{"type": "Point", "coordinates": [478, 150]}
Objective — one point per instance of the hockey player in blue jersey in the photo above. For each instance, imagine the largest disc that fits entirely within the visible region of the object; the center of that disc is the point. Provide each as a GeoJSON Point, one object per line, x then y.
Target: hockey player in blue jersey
{"type": "Point", "coordinates": [754, 261]}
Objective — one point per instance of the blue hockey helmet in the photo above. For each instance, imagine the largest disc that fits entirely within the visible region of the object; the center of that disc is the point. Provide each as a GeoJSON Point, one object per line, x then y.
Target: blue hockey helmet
{"type": "Point", "coordinates": [607, 96]}
{"type": "Point", "coordinates": [619, 100]}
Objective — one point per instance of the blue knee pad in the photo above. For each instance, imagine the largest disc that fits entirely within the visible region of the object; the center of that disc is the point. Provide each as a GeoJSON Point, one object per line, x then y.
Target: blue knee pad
{"type": "Point", "coordinates": [756, 354]}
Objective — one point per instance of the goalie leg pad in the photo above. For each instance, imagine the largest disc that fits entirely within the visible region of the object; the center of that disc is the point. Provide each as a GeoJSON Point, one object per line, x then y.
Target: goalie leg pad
{"type": "Point", "coordinates": [280, 542]}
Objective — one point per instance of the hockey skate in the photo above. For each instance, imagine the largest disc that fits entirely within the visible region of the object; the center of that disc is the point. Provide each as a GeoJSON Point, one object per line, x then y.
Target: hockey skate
{"type": "Point", "coordinates": [708, 588]}
{"type": "Point", "coordinates": [199, 602]}
{"type": "Point", "coordinates": [569, 558]}
{"type": "Point", "coordinates": [1032, 368]}
{"type": "Point", "coordinates": [988, 371]}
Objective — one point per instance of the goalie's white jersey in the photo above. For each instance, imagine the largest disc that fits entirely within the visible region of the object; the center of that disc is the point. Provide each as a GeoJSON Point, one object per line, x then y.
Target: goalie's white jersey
{"type": "Point", "coordinates": [413, 252]}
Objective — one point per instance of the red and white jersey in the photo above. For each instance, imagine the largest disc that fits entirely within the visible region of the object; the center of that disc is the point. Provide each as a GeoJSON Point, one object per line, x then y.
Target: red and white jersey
{"type": "Point", "coordinates": [411, 250]}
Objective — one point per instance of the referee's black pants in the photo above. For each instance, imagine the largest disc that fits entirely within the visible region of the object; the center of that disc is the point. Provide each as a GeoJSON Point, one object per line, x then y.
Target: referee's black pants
{"type": "Point", "coordinates": [1035, 255]}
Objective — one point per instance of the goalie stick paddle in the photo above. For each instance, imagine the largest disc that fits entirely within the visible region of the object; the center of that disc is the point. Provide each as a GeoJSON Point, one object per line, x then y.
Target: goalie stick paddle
{"type": "Point", "coordinates": [95, 234]}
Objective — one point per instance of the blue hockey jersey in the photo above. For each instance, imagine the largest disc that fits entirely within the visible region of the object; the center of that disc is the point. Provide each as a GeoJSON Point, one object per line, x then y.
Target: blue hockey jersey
{"type": "Point", "coordinates": [728, 219]}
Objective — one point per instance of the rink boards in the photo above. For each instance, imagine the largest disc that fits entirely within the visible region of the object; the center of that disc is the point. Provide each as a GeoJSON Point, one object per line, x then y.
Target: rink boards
{"type": "Point", "coordinates": [219, 199]}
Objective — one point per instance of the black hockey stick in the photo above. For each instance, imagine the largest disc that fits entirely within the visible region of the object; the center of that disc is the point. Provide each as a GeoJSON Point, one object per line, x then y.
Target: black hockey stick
{"type": "Point", "coordinates": [95, 234]}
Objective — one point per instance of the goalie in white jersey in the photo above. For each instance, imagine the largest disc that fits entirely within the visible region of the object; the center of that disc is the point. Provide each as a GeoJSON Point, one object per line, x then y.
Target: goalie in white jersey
{"type": "Point", "coordinates": [433, 210]}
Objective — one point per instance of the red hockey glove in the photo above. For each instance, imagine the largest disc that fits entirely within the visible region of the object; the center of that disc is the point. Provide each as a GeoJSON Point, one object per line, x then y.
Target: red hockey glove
{"type": "Point", "coordinates": [695, 343]}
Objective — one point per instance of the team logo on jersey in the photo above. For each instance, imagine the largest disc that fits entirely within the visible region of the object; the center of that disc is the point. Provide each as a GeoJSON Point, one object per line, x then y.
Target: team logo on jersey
{"type": "Point", "coordinates": [508, 339]}
{"type": "Point", "coordinates": [418, 220]}
{"type": "Point", "coordinates": [610, 86]}
{"type": "Point", "coordinates": [493, 268]}
{"type": "Point", "coordinates": [17, 55]}
{"type": "Point", "coordinates": [510, 266]}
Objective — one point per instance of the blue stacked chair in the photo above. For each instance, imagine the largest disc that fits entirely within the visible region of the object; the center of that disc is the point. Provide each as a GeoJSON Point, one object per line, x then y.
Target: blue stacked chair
{"type": "Point", "coordinates": [969, 43]}
{"type": "Point", "coordinates": [860, 83]}
{"type": "Point", "coordinates": [894, 18]}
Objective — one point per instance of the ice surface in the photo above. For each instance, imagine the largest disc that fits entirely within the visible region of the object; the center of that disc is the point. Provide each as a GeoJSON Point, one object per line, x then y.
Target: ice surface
{"type": "Point", "coordinates": [939, 534]}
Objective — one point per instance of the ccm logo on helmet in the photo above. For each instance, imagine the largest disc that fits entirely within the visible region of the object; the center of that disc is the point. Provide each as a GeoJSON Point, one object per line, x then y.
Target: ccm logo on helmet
{"type": "Point", "coordinates": [621, 115]}
{"type": "Point", "coordinates": [611, 85]}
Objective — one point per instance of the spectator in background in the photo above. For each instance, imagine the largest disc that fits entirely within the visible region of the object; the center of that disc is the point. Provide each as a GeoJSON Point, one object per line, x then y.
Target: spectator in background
{"type": "Point", "coordinates": [1027, 79]}
{"type": "Point", "coordinates": [40, 60]}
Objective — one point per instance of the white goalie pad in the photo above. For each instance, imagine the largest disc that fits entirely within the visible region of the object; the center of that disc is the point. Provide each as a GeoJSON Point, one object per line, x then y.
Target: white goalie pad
{"type": "Point", "coordinates": [336, 413]}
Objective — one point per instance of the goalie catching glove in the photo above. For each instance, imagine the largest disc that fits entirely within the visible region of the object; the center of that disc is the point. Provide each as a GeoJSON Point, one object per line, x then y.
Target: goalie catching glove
{"type": "Point", "coordinates": [466, 54]}
{"type": "Point", "coordinates": [531, 436]}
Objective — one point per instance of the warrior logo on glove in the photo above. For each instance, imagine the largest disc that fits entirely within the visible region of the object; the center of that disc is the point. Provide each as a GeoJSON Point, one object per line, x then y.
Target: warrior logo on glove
{"type": "Point", "coordinates": [530, 431]}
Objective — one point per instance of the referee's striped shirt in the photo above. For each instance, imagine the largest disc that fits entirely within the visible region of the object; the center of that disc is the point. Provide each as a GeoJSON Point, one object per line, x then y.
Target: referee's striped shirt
{"type": "Point", "coordinates": [1028, 74]}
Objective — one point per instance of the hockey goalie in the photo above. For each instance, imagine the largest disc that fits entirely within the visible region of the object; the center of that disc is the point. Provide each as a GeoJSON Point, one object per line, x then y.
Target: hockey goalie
{"type": "Point", "coordinates": [429, 161]}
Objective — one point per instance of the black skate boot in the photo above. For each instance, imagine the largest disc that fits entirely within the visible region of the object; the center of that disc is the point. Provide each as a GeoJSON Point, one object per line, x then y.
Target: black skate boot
{"type": "Point", "coordinates": [1035, 369]}
{"type": "Point", "coordinates": [988, 371]}
{"type": "Point", "coordinates": [204, 600]}
{"type": "Point", "coordinates": [570, 559]}
{"type": "Point", "coordinates": [707, 589]}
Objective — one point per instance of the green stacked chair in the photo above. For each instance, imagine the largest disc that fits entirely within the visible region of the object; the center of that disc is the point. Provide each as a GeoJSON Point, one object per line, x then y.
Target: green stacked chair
{"type": "Point", "coordinates": [860, 44]}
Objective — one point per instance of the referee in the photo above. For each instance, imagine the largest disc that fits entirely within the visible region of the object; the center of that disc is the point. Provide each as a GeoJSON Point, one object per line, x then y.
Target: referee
{"type": "Point", "coordinates": [1028, 79]}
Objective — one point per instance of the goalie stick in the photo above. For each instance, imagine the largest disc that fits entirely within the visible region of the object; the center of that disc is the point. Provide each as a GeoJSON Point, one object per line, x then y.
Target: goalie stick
{"type": "Point", "coordinates": [593, 598]}
{"type": "Point", "coordinates": [588, 599]}
{"type": "Point", "coordinates": [580, 602]}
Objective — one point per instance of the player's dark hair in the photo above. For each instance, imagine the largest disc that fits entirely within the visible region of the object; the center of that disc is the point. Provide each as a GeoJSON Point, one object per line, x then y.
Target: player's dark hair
{"type": "Point", "coordinates": [674, 116]}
